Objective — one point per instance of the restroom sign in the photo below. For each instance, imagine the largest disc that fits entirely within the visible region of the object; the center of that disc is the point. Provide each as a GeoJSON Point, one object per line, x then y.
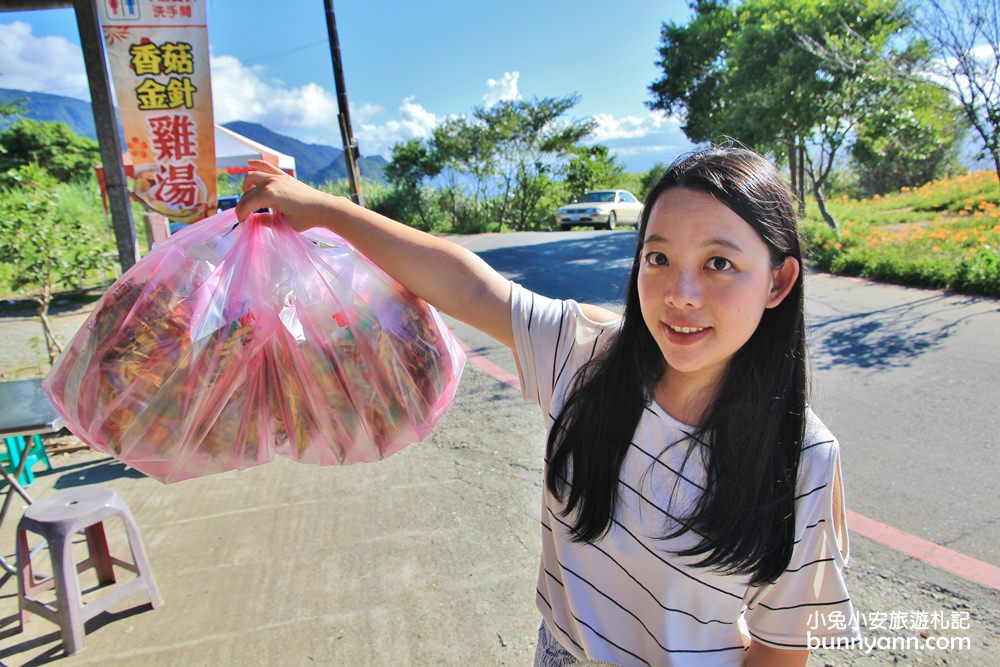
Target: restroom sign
{"type": "Point", "coordinates": [121, 9]}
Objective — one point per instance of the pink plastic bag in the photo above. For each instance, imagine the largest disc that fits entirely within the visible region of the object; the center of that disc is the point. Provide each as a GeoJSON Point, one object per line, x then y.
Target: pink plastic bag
{"type": "Point", "coordinates": [229, 343]}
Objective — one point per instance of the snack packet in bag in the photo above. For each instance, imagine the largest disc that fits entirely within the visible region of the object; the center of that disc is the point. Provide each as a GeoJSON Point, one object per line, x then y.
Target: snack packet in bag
{"type": "Point", "coordinates": [231, 342]}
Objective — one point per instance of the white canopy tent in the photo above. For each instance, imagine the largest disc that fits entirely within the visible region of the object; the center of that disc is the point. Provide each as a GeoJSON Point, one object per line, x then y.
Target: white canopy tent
{"type": "Point", "coordinates": [232, 150]}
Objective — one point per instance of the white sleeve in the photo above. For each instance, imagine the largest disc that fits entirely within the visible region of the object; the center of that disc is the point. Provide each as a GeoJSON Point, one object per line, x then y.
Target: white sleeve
{"type": "Point", "coordinates": [552, 339]}
{"type": "Point", "coordinates": [810, 599]}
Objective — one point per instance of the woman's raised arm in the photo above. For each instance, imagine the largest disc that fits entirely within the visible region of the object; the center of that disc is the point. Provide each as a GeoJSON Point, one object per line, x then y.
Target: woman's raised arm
{"type": "Point", "coordinates": [444, 274]}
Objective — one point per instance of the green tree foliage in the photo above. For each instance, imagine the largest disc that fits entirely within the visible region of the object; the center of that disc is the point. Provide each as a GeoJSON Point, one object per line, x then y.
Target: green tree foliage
{"type": "Point", "coordinates": [43, 242]}
{"type": "Point", "coordinates": [12, 108]}
{"type": "Point", "coordinates": [692, 57]}
{"type": "Point", "coordinates": [408, 171]}
{"type": "Point", "coordinates": [590, 168]}
{"type": "Point", "coordinates": [528, 140]}
{"type": "Point", "coordinates": [501, 166]}
{"type": "Point", "coordinates": [650, 179]}
{"type": "Point", "coordinates": [461, 151]}
{"type": "Point", "coordinates": [758, 72]}
{"type": "Point", "coordinates": [64, 154]}
{"type": "Point", "coordinates": [908, 141]}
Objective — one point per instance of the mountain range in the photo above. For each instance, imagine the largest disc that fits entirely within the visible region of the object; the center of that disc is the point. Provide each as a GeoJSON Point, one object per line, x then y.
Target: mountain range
{"type": "Point", "coordinates": [315, 163]}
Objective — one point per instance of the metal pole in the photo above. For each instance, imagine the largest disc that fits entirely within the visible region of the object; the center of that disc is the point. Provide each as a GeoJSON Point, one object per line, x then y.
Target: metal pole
{"type": "Point", "coordinates": [351, 152]}
{"type": "Point", "coordinates": [107, 129]}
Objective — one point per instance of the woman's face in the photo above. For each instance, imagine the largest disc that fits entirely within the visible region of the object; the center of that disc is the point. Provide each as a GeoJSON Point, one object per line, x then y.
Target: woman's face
{"type": "Point", "coordinates": [704, 281]}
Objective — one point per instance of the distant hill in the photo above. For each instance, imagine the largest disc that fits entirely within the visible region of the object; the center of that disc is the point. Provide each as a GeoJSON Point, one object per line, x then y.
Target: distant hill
{"type": "Point", "coordinates": [42, 106]}
{"type": "Point", "coordinates": [315, 163]}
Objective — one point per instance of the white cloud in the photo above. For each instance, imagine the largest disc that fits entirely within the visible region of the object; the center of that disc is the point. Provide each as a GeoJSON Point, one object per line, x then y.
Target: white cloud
{"type": "Point", "coordinates": [984, 53]}
{"type": "Point", "coordinates": [309, 112]}
{"type": "Point", "coordinates": [504, 89]}
{"type": "Point", "coordinates": [240, 92]}
{"type": "Point", "coordinates": [415, 122]}
{"type": "Point", "coordinates": [639, 141]}
{"type": "Point", "coordinates": [365, 112]}
{"type": "Point", "coordinates": [610, 128]}
{"type": "Point", "coordinates": [984, 57]}
{"type": "Point", "coordinates": [41, 64]}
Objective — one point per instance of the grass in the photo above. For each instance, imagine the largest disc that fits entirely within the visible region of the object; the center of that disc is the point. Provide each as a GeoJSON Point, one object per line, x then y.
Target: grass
{"type": "Point", "coordinates": [945, 234]}
{"type": "Point", "coordinates": [82, 203]}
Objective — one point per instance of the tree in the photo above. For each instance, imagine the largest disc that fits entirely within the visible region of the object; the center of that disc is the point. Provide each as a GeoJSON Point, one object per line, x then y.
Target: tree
{"type": "Point", "coordinates": [64, 154]}
{"type": "Point", "coordinates": [747, 72]}
{"type": "Point", "coordinates": [497, 165]}
{"type": "Point", "coordinates": [411, 165]}
{"type": "Point", "coordinates": [46, 247]}
{"type": "Point", "coordinates": [907, 141]}
{"type": "Point", "coordinates": [966, 34]}
{"type": "Point", "coordinates": [528, 139]}
{"type": "Point", "coordinates": [590, 167]}
{"type": "Point", "coordinates": [692, 57]}
{"type": "Point", "coordinates": [650, 179]}
{"type": "Point", "coordinates": [467, 159]}
{"type": "Point", "coordinates": [13, 107]}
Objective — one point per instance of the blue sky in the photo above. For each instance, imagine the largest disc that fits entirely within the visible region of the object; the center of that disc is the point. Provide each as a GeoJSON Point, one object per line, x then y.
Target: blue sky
{"type": "Point", "coordinates": [408, 65]}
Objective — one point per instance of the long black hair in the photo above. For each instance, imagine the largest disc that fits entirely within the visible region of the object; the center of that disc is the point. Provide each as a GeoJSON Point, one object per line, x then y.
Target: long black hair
{"type": "Point", "coordinates": [753, 428]}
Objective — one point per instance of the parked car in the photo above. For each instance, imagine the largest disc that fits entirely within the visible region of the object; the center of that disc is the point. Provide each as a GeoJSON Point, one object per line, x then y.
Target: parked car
{"type": "Point", "coordinates": [226, 202]}
{"type": "Point", "coordinates": [601, 208]}
{"type": "Point", "coordinates": [223, 203]}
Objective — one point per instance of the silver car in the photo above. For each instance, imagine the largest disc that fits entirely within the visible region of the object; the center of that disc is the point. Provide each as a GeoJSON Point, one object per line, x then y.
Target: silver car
{"type": "Point", "coordinates": [601, 208]}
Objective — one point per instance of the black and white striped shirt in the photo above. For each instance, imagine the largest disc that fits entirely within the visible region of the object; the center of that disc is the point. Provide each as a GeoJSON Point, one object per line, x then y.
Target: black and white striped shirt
{"type": "Point", "coordinates": [625, 598]}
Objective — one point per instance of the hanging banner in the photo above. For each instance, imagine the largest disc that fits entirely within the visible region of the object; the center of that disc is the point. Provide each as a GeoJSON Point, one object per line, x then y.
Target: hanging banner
{"type": "Point", "coordinates": [158, 54]}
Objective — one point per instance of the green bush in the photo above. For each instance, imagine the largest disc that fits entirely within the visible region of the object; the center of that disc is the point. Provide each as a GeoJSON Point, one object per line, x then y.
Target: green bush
{"type": "Point", "coordinates": [65, 155]}
{"type": "Point", "coordinates": [980, 273]}
{"type": "Point", "coordinates": [68, 213]}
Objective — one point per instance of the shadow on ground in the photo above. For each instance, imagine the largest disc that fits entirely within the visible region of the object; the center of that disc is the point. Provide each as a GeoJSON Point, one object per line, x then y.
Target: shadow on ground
{"type": "Point", "coordinates": [890, 337]}
{"type": "Point", "coordinates": [51, 643]}
{"type": "Point", "coordinates": [90, 472]}
{"type": "Point", "coordinates": [65, 302]}
{"type": "Point", "coordinates": [591, 270]}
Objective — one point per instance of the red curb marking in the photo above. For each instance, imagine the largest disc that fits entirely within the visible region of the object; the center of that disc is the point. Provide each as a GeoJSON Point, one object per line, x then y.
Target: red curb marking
{"type": "Point", "coordinates": [964, 566]}
{"type": "Point", "coordinates": [491, 369]}
{"type": "Point", "coordinates": [933, 554]}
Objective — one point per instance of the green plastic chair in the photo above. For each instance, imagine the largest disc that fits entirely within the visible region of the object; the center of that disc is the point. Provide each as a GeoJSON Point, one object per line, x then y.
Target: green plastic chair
{"type": "Point", "coordinates": [17, 449]}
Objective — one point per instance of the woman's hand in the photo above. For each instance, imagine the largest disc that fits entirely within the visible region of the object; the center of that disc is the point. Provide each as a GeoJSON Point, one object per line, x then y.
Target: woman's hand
{"type": "Point", "coordinates": [267, 186]}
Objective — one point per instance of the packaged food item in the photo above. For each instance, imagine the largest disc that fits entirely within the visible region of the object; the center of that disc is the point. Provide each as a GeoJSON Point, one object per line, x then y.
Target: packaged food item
{"type": "Point", "coordinates": [230, 343]}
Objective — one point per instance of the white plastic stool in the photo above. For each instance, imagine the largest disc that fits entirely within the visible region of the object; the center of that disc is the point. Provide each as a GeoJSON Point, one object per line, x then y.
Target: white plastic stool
{"type": "Point", "coordinates": [57, 519]}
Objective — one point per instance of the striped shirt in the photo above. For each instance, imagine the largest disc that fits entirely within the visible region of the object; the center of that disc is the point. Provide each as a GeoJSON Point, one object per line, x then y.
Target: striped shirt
{"type": "Point", "coordinates": [626, 598]}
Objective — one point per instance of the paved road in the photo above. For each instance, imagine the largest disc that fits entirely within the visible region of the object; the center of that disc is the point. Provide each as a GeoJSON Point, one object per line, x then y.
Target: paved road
{"type": "Point", "coordinates": [430, 557]}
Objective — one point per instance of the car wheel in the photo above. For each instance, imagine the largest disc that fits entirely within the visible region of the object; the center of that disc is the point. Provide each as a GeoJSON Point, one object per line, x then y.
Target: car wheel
{"type": "Point", "coordinates": [612, 221]}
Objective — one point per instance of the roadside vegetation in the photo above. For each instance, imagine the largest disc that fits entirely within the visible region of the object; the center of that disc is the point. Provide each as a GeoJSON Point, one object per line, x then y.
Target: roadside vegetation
{"type": "Point", "coordinates": [944, 234]}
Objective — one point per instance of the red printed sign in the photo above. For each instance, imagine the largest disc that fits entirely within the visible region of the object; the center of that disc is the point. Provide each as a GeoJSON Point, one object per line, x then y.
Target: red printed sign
{"type": "Point", "coordinates": [158, 52]}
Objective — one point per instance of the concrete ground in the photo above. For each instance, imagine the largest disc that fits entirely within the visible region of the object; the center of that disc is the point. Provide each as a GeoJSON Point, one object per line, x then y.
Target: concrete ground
{"type": "Point", "coordinates": [427, 558]}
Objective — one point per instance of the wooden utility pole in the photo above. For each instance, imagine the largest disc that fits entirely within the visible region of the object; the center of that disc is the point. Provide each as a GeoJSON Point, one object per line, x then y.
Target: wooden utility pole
{"type": "Point", "coordinates": [92, 43]}
{"type": "Point", "coordinates": [351, 152]}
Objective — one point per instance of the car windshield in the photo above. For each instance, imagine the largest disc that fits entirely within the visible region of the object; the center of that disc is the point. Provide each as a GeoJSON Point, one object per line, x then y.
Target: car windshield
{"type": "Point", "coordinates": [599, 197]}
